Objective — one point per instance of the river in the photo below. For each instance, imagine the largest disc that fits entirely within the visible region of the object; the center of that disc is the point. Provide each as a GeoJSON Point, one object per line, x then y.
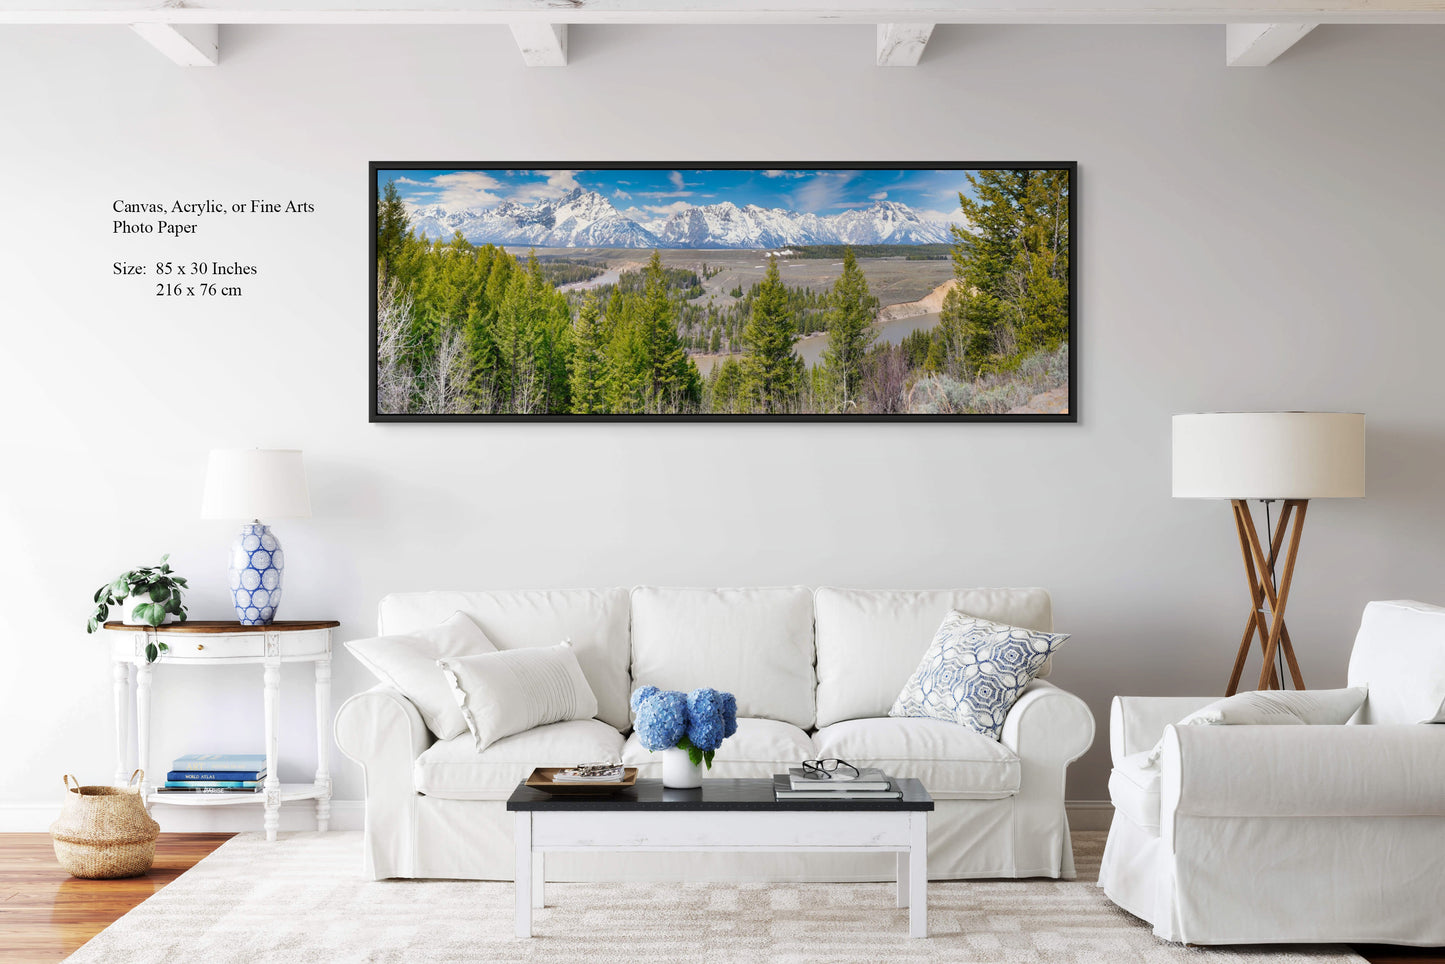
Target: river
{"type": "Point", "coordinates": [811, 348]}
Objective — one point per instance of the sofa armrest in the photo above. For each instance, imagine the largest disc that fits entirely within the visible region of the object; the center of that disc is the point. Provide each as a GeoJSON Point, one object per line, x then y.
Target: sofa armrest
{"type": "Point", "coordinates": [1137, 722]}
{"type": "Point", "coordinates": [382, 727]}
{"type": "Point", "coordinates": [1048, 725]}
{"type": "Point", "coordinates": [1302, 771]}
{"type": "Point", "coordinates": [382, 730]}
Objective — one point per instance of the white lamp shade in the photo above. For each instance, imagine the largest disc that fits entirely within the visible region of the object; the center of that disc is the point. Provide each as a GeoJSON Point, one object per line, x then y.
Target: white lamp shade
{"type": "Point", "coordinates": [255, 484]}
{"type": "Point", "coordinates": [1269, 455]}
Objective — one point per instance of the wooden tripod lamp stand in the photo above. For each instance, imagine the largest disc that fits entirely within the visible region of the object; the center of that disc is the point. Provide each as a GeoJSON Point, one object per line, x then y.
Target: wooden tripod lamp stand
{"type": "Point", "coordinates": [1288, 457]}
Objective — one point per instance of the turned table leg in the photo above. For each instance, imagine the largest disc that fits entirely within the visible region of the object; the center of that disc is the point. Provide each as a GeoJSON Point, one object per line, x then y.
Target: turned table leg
{"type": "Point", "coordinates": [272, 821]}
{"type": "Point", "coordinates": [120, 687]}
{"type": "Point", "coordinates": [323, 744]}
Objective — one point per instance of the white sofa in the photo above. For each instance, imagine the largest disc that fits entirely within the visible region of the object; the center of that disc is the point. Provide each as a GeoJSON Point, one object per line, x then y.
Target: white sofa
{"type": "Point", "coordinates": [1269, 834]}
{"type": "Point", "coordinates": [814, 674]}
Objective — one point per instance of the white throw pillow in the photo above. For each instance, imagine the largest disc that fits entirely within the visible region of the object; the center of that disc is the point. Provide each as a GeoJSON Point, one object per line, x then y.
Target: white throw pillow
{"type": "Point", "coordinates": [1273, 708]}
{"type": "Point", "coordinates": [514, 690]}
{"type": "Point", "coordinates": [973, 672]}
{"type": "Point", "coordinates": [409, 663]}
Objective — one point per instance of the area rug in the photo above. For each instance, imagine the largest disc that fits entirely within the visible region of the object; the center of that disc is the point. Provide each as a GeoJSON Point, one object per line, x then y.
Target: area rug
{"type": "Point", "coordinates": [302, 900]}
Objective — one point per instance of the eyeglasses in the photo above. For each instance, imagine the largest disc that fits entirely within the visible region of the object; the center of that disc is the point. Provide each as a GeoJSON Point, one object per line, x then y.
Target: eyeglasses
{"type": "Point", "coordinates": [829, 769]}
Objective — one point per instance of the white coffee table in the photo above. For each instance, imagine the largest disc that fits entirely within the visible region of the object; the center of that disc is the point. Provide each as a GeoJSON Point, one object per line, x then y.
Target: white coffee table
{"type": "Point", "coordinates": [730, 816]}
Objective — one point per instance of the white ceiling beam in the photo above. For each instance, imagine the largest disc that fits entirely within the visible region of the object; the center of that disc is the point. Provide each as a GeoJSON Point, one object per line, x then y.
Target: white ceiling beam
{"type": "Point", "coordinates": [188, 44]}
{"type": "Point", "coordinates": [901, 44]}
{"type": "Point", "coordinates": [1258, 44]}
{"type": "Point", "coordinates": [458, 12]}
{"type": "Point", "coordinates": [542, 44]}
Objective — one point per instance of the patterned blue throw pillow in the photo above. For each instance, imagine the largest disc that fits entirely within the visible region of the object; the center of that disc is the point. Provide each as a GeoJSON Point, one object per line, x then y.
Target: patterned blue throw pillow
{"type": "Point", "coordinates": [974, 671]}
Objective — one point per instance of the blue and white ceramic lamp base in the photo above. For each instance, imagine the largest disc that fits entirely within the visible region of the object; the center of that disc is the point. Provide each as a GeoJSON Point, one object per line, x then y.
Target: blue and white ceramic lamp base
{"type": "Point", "coordinates": [255, 574]}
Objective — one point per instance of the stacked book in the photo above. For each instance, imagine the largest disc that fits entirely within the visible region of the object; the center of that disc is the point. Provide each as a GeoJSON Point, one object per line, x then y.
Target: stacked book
{"type": "Point", "coordinates": [216, 773]}
{"type": "Point", "coordinates": [871, 783]}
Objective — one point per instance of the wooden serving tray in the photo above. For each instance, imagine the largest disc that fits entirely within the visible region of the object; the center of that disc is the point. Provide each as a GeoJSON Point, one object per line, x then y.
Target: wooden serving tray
{"type": "Point", "coordinates": [541, 779]}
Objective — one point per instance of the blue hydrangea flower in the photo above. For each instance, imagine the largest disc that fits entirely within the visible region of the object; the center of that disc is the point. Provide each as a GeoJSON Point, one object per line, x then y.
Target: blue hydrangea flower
{"type": "Point", "coordinates": [661, 718]}
{"type": "Point", "coordinates": [729, 713]}
{"type": "Point", "coordinates": [640, 694]}
{"type": "Point", "coordinates": [705, 720]}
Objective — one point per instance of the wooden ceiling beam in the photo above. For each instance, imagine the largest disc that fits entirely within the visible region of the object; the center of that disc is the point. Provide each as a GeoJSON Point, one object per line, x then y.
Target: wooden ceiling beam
{"type": "Point", "coordinates": [455, 12]}
{"type": "Point", "coordinates": [542, 44]}
{"type": "Point", "coordinates": [188, 44]}
{"type": "Point", "coordinates": [1258, 44]}
{"type": "Point", "coordinates": [901, 44]}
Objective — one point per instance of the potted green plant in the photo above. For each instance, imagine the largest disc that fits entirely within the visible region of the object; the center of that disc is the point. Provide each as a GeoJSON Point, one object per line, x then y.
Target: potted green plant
{"type": "Point", "coordinates": [147, 596]}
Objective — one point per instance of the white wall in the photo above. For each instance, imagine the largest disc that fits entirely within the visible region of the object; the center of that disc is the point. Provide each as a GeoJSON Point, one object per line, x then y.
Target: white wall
{"type": "Point", "coordinates": [1247, 239]}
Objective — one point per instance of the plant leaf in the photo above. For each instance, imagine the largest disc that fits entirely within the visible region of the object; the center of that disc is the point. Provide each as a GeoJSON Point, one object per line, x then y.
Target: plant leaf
{"type": "Point", "coordinates": [707, 757]}
{"type": "Point", "coordinates": [150, 652]}
{"type": "Point", "coordinates": [119, 588]}
{"type": "Point", "coordinates": [179, 581]}
{"type": "Point", "coordinates": [91, 626]}
{"type": "Point", "coordinates": [163, 647]}
{"type": "Point", "coordinates": [164, 558]}
{"type": "Point", "coordinates": [160, 593]}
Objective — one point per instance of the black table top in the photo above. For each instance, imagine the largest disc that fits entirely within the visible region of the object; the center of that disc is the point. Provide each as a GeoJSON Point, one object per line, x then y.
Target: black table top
{"type": "Point", "coordinates": [715, 794]}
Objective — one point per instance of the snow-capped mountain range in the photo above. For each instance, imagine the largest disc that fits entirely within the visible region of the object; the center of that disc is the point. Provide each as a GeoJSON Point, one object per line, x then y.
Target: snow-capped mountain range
{"type": "Point", "coordinates": [586, 219]}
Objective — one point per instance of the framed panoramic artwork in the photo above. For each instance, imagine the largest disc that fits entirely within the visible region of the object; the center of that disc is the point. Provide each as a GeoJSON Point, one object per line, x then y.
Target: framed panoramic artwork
{"type": "Point", "coordinates": [826, 292]}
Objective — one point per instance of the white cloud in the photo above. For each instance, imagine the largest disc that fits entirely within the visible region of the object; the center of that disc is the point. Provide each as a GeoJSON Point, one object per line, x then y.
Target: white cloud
{"type": "Point", "coordinates": [663, 210]}
{"type": "Point", "coordinates": [557, 184]}
{"type": "Point", "coordinates": [676, 178]}
{"type": "Point", "coordinates": [878, 196]}
{"type": "Point", "coordinates": [621, 195]}
{"type": "Point", "coordinates": [822, 191]}
{"type": "Point", "coordinates": [777, 173]}
{"type": "Point", "coordinates": [942, 217]}
{"type": "Point", "coordinates": [462, 191]}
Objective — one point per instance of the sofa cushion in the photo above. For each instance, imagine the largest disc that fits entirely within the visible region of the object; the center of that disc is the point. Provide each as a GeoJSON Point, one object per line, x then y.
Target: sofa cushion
{"type": "Point", "coordinates": [409, 664]}
{"type": "Point", "coordinates": [754, 643]}
{"type": "Point", "coordinates": [1400, 655]}
{"type": "Point", "coordinates": [519, 689]}
{"type": "Point", "coordinates": [870, 641]}
{"type": "Point", "coordinates": [973, 672]}
{"type": "Point", "coordinates": [758, 749]}
{"type": "Point", "coordinates": [953, 763]}
{"type": "Point", "coordinates": [594, 619]}
{"type": "Point", "coordinates": [454, 770]}
{"type": "Point", "coordinates": [1273, 708]}
{"type": "Point", "coordinates": [1134, 790]}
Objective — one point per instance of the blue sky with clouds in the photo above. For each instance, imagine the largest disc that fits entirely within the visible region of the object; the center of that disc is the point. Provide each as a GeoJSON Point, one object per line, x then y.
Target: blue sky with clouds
{"type": "Point", "coordinates": [652, 193]}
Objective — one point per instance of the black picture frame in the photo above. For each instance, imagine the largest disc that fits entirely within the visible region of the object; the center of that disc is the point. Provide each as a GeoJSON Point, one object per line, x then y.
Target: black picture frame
{"type": "Point", "coordinates": [1069, 416]}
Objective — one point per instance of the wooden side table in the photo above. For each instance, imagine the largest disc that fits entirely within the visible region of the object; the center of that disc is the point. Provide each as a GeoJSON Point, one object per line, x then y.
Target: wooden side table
{"type": "Point", "coordinates": [219, 643]}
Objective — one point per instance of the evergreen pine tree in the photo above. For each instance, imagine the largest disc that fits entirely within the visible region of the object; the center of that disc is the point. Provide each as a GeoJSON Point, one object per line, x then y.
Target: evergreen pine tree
{"type": "Point", "coordinates": [673, 381]}
{"type": "Point", "coordinates": [589, 361]}
{"type": "Point", "coordinates": [392, 226]}
{"type": "Point", "coordinates": [771, 371]}
{"type": "Point", "coordinates": [851, 310]}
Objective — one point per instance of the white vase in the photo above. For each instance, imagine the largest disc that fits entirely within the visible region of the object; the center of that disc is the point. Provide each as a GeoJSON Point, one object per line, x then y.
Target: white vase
{"type": "Point", "coordinates": [678, 770]}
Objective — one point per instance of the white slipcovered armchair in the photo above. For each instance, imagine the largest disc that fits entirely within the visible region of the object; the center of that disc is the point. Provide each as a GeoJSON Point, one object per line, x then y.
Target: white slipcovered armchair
{"type": "Point", "coordinates": [1270, 834]}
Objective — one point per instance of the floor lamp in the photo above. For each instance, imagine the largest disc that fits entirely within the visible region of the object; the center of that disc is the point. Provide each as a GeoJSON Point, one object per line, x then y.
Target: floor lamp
{"type": "Point", "coordinates": [1291, 457]}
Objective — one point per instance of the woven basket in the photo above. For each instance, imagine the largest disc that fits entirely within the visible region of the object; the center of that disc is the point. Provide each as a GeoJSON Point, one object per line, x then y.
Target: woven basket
{"type": "Point", "coordinates": [104, 832]}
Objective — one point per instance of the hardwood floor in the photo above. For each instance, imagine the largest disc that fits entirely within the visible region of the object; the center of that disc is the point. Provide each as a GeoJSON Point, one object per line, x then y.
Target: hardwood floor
{"type": "Point", "coordinates": [45, 914]}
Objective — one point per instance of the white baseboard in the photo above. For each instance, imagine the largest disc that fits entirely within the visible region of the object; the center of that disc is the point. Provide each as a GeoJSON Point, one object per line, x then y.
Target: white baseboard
{"type": "Point", "coordinates": [345, 815]}
{"type": "Point", "coordinates": [348, 815]}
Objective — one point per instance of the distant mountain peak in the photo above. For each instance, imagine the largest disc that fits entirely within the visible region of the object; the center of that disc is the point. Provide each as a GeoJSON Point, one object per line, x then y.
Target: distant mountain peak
{"type": "Point", "coordinates": [584, 218]}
